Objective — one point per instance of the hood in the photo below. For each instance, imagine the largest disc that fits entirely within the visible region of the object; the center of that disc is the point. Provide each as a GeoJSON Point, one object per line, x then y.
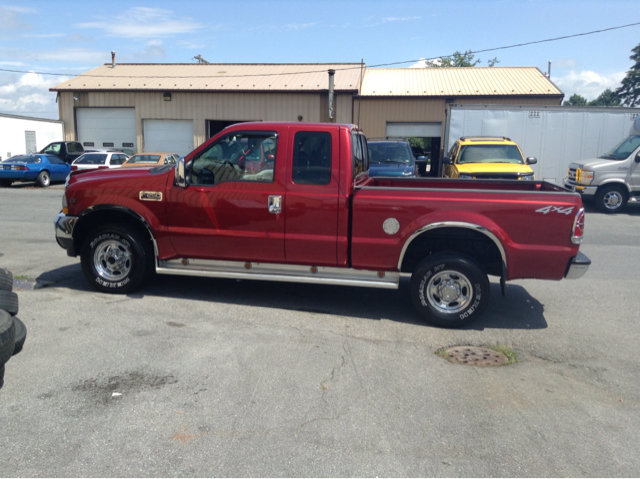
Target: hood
{"type": "Point", "coordinates": [391, 169]}
{"type": "Point", "coordinates": [470, 168]}
{"type": "Point", "coordinates": [598, 164]}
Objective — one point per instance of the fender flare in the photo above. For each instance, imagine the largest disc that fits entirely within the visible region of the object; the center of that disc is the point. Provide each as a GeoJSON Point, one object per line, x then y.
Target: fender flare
{"type": "Point", "coordinates": [460, 224]}
{"type": "Point", "coordinates": [121, 209]}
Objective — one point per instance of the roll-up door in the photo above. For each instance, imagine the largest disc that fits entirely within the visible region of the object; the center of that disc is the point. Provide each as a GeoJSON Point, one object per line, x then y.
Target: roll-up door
{"type": "Point", "coordinates": [106, 127]}
{"type": "Point", "coordinates": [419, 130]}
{"type": "Point", "coordinates": [173, 136]}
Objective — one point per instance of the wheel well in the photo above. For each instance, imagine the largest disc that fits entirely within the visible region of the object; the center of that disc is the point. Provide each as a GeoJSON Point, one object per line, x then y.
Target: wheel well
{"type": "Point", "coordinates": [623, 186]}
{"type": "Point", "coordinates": [471, 243]}
{"type": "Point", "coordinates": [90, 221]}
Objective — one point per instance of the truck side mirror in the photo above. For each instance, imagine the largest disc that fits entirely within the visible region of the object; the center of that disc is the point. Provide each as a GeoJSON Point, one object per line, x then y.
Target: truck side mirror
{"type": "Point", "coordinates": [447, 161]}
{"type": "Point", "coordinates": [637, 160]}
{"type": "Point", "coordinates": [531, 161]}
{"type": "Point", "coordinates": [180, 177]}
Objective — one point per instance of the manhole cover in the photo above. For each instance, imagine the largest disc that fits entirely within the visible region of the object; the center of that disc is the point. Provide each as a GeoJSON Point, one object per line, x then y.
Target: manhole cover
{"type": "Point", "coordinates": [475, 356]}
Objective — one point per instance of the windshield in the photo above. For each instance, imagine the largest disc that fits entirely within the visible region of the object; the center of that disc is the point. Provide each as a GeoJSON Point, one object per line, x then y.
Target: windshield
{"type": "Point", "coordinates": [390, 152]}
{"type": "Point", "coordinates": [23, 159]}
{"type": "Point", "coordinates": [624, 149]}
{"type": "Point", "coordinates": [144, 159]}
{"type": "Point", "coordinates": [91, 159]}
{"type": "Point", "coordinates": [490, 154]}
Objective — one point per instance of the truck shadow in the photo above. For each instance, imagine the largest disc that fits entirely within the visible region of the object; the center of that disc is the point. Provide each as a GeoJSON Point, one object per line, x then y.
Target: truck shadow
{"type": "Point", "coordinates": [519, 310]}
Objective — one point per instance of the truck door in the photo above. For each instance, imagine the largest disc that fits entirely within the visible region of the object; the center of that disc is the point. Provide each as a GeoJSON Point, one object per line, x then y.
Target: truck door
{"type": "Point", "coordinates": [311, 203]}
{"type": "Point", "coordinates": [231, 207]}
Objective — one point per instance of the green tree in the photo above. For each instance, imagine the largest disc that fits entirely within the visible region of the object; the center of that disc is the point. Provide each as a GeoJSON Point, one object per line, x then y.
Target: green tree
{"type": "Point", "coordinates": [576, 100]}
{"type": "Point", "coordinates": [606, 98]}
{"type": "Point", "coordinates": [466, 59]}
{"type": "Point", "coordinates": [629, 92]}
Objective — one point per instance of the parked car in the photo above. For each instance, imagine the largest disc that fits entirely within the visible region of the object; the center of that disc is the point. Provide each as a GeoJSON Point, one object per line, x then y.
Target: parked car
{"type": "Point", "coordinates": [43, 169]}
{"type": "Point", "coordinates": [314, 215]}
{"type": "Point", "coordinates": [391, 157]}
{"type": "Point", "coordinates": [67, 151]}
{"type": "Point", "coordinates": [147, 160]}
{"type": "Point", "coordinates": [487, 158]}
{"type": "Point", "coordinates": [612, 179]}
{"type": "Point", "coordinates": [97, 160]}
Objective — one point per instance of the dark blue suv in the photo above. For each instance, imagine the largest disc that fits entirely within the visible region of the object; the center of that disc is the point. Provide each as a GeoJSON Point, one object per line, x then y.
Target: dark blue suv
{"type": "Point", "coordinates": [391, 157]}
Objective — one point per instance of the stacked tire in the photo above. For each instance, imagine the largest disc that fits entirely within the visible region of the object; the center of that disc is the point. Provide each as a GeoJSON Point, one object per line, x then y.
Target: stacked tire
{"type": "Point", "coordinates": [13, 332]}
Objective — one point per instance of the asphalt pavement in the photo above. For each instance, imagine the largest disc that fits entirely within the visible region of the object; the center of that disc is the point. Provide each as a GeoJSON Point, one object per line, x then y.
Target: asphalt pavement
{"type": "Point", "coordinates": [212, 377]}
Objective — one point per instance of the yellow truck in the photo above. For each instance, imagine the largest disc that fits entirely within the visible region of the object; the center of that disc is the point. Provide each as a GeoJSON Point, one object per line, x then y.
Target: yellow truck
{"type": "Point", "coordinates": [487, 158]}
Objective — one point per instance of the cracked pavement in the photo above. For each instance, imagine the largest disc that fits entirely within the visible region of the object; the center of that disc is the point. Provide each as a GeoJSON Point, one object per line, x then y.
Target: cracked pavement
{"type": "Point", "coordinates": [203, 377]}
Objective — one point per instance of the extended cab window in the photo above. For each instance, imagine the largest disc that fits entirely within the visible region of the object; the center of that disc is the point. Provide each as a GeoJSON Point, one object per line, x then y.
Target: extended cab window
{"type": "Point", "coordinates": [236, 157]}
{"type": "Point", "coordinates": [312, 158]}
{"type": "Point", "coordinates": [52, 149]}
{"type": "Point", "coordinates": [360, 154]}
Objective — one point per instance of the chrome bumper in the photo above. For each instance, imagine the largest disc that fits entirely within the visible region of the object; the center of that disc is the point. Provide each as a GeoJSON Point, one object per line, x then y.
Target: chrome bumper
{"type": "Point", "coordinates": [583, 190]}
{"type": "Point", "coordinates": [64, 225]}
{"type": "Point", "coordinates": [578, 266]}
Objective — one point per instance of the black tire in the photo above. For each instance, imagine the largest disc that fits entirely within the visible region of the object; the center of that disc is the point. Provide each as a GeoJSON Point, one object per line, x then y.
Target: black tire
{"type": "Point", "coordinates": [467, 293]}
{"type": "Point", "coordinates": [611, 198]}
{"type": "Point", "coordinates": [6, 280]}
{"type": "Point", "coordinates": [43, 180]}
{"type": "Point", "coordinates": [7, 337]}
{"type": "Point", "coordinates": [5, 183]}
{"type": "Point", "coordinates": [9, 302]}
{"type": "Point", "coordinates": [20, 336]}
{"type": "Point", "coordinates": [115, 259]}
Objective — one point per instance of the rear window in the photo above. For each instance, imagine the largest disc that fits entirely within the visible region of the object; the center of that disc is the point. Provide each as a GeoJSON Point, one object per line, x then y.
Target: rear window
{"type": "Point", "coordinates": [91, 159]}
{"type": "Point", "coordinates": [312, 158]}
{"type": "Point", "coordinates": [144, 159]}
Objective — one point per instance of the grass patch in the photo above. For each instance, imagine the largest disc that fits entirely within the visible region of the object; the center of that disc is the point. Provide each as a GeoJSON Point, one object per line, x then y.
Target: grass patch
{"type": "Point", "coordinates": [21, 276]}
{"type": "Point", "coordinates": [507, 351]}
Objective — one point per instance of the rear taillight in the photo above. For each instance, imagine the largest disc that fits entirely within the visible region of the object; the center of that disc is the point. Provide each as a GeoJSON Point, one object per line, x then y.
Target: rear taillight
{"type": "Point", "coordinates": [578, 227]}
{"type": "Point", "coordinates": [19, 167]}
{"type": "Point", "coordinates": [74, 167]}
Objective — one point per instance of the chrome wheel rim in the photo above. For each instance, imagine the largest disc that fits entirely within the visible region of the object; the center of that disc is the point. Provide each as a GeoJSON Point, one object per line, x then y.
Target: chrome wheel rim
{"type": "Point", "coordinates": [449, 292]}
{"type": "Point", "coordinates": [45, 180]}
{"type": "Point", "coordinates": [113, 260]}
{"type": "Point", "coordinates": [612, 200]}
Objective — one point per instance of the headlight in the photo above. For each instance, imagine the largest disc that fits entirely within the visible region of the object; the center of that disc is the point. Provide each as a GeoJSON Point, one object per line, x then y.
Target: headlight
{"type": "Point", "coordinates": [529, 177]}
{"type": "Point", "coordinates": [465, 177]}
{"type": "Point", "coordinates": [407, 173]}
{"type": "Point", "coordinates": [584, 177]}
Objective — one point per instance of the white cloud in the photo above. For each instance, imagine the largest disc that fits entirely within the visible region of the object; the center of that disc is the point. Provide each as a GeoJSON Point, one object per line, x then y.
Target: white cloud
{"type": "Point", "coordinates": [568, 63]}
{"type": "Point", "coordinates": [152, 49]}
{"type": "Point", "coordinates": [10, 18]}
{"type": "Point", "coordinates": [143, 22]}
{"type": "Point", "coordinates": [423, 63]}
{"type": "Point", "coordinates": [587, 83]}
{"type": "Point", "coordinates": [28, 94]}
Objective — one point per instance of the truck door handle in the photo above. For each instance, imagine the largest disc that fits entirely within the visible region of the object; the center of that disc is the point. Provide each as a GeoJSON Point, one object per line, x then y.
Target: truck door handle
{"type": "Point", "coordinates": [275, 204]}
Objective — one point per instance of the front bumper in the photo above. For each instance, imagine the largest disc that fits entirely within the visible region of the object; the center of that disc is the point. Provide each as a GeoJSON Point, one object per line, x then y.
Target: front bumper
{"type": "Point", "coordinates": [583, 190]}
{"type": "Point", "coordinates": [64, 225]}
{"type": "Point", "coordinates": [578, 266]}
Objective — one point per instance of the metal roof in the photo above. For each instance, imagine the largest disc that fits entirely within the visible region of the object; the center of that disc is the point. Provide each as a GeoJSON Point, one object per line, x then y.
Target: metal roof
{"type": "Point", "coordinates": [216, 77]}
{"type": "Point", "coordinates": [470, 81]}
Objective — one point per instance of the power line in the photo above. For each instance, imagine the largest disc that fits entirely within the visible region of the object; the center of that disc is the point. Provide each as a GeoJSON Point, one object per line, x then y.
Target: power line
{"type": "Point", "coordinates": [339, 69]}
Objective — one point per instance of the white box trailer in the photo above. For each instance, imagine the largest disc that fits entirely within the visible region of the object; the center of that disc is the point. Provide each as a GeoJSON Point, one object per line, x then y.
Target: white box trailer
{"type": "Point", "coordinates": [22, 134]}
{"type": "Point", "coordinates": [555, 135]}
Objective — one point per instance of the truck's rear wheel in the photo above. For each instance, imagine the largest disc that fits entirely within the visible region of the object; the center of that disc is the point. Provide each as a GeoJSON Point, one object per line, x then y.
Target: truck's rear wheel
{"type": "Point", "coordinates": [611, 199]}
{"type": "Point", "coordinates": [449, 290]}
{"type": "Point", "coordinates": [116, 259]}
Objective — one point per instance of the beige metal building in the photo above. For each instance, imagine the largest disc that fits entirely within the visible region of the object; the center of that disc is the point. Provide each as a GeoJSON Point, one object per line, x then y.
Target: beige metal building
{"type": "Point", "coordinates": [177, 107]}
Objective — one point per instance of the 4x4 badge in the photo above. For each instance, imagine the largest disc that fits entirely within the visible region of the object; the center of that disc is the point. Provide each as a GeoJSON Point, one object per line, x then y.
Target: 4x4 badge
{"type": "Point", "coordinates": [557, 209]}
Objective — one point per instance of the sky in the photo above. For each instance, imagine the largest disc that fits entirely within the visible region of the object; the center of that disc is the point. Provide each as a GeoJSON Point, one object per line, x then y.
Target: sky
{"type": "Point", "coordinates": [59, 40]}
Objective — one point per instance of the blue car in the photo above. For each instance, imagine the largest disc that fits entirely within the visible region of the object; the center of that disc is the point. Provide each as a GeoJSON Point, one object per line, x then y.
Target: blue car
{"type": "Point", "coordinates": [391, 158]}
{"type": "Point", "coordinates": [43, 169]}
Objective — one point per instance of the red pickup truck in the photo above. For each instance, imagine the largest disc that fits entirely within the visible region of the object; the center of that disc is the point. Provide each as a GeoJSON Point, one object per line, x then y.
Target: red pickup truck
{"type": "Point", "coordinates": [294, 202]}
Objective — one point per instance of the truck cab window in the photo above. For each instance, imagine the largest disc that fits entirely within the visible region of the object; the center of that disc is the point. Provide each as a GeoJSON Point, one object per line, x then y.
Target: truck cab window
{"type": "Point", "coordinates": [236, 157]}
{"type": "Point", "coordinates": [312, 158]}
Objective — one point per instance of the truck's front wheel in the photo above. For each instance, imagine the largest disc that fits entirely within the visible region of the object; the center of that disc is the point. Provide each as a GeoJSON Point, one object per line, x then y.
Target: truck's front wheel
{"type": "Point", "coordinates": [115, 259]}
{"type": "Point", "coordinates": [449, 290]}
{"type": "Point", "coordinates": [611, 198]}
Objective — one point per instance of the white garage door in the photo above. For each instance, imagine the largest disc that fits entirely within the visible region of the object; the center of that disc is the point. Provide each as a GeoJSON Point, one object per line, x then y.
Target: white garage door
{"type": "Point", "coordinates": [173, 136]}
{"type": "Point", "coordinates": [107, 127]}
{"type": "Point", "coordinates": [419, 130]}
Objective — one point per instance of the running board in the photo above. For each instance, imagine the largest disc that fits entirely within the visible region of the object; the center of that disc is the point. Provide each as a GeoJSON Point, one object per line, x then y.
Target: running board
{"type": "Point", "coordinates": [279, 272]}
